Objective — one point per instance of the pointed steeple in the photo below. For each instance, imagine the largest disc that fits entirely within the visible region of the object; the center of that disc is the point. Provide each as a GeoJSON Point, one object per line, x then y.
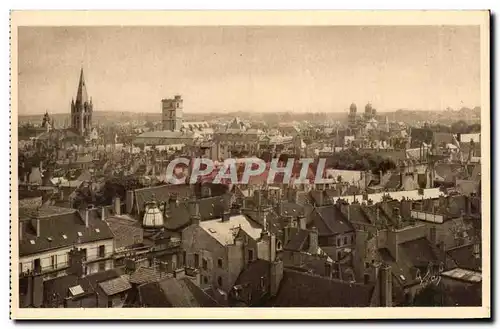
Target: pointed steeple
{"type": "Point", "coordinates": [81, 94]}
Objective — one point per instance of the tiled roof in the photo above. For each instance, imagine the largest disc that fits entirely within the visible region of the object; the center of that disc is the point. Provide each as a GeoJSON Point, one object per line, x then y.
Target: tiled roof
{"type": "Point", "coordinates": [62, 230]}
{"type": "Point", "coordinates": [144, 275]}
{"type": "Point", "coordinates": [299, 289]}
{"type": "Point", "coordinates": [115, 286]}
{"type": "Point", "coordinates": [125, 235]}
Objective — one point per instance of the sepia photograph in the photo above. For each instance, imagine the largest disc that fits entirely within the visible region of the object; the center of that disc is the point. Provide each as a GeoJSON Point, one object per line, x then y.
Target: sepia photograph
{"type": "Point", "coordinates": [288, 165]}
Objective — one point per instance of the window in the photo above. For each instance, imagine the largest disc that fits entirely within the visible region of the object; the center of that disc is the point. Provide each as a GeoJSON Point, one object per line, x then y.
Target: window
{"type": "Point", "coordinates": [219, 262]}
{"type": "Point", "coordinates": [53, 261]}
{"type": "Point", "coordinates": [345, 240]}
{"type": "Point", "coordinates": [205, 264]}
{"type": "Point", "coordinates": [196, 260]}
{"type": "Point", "coordinates": [219, 281]}
{"type": "Point", "coordinates": [367, 265]}
{"type": "Point", "coordinates": [250, 255]}
{"type": "Point", "coordinates": [205, 280]}
{"type": "Point", "coordinates": [338, 242]}
{"type": "Point", "coordinates": [184, 258]}
{"type": "Point", "coordinates": [102, 266]}
{"type": "Point", "coordinates": [339, 255]}
{"type": "Point", "coordinates": [102, 251]}
{"type": "Point", "coordinates": [37, 266]}
{"type": "Point", "coordinates": [84, 254]}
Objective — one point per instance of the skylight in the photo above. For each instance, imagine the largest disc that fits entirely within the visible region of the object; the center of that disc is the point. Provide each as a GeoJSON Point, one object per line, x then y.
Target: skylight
{"type": "Point", "coordinates": [98, 230]}
{"type": "Point", "coordinates": [49, 239]}
{"type": "Point", "coordinates": [64, 236]}
{"type": "Point", "coordinates": [32, 241]}
{"type": "Point", "coordinates": [402, 277]}
{"type": "Point", "coordinates": [80, 234]}
{"type": "Point", "coordinates": [211, 230]}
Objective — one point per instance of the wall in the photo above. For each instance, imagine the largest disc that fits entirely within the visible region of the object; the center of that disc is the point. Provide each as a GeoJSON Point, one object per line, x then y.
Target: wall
{"type": "Point", "coordinates": [27, 262]}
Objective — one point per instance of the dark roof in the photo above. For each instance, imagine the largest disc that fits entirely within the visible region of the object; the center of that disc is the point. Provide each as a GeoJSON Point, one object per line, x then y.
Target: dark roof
{"type": "Point", "coordinates": [151, 295]}
{"type": "Point", "coordinates": [59, 287]}
{"type": "Point", "coordinates": [178, 215]}
{"type": "Point", "coordinates": [54, 226]}
{"type": "Point", "coordinates": [412, 256]}
{"type": "Point", "coordinates": [172, 292]}
{"type": "Point", "coordinates": [329, 220]}
{"type": "Point", "coordinates": [249, 281]}
{"type": "Point", "coordinates": [418, 252]}
{"type": "Point", "coordinates": [161, 193]}
{"type": "Point", "coordinates": [464, 257]}
{"type": "Point", "coordinates": [298, 242]}
{"type": "Point", "coordinates": [300, 289]}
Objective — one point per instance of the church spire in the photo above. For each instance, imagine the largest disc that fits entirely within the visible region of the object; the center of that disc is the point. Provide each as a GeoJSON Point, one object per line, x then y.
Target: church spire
{"type": "Point", "coordinates": [81, 94]}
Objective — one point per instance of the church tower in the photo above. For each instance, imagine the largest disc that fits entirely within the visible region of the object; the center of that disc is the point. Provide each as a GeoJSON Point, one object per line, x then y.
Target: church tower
{"type": "Point", "coordinates": [81, 109]}
{"type": "Point", "coordinates": [172, 113]}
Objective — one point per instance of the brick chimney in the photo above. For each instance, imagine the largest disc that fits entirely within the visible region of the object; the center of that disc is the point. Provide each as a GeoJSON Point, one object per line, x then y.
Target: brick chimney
{"type": "Point", "coordinates": [276, 276]}
{"type": "Point", "coordinates": [129, 201]}
{"type": "Point", "coordinates": [38, 232]}
{"type": "Point", "coordinates": [194, 211]}
{"type": "Point", "coordinates": [313, 241]}
{"type": "Point", "coordinates": [433, 235]}
{"type": "Point", "coordinates": [385, 286]}
{"type": "Point", "coordinates": [117, 206]}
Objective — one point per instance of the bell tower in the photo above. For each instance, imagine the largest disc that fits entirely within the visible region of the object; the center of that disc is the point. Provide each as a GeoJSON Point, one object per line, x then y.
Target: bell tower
{"type": "Point", "coordinates": [81, 109]}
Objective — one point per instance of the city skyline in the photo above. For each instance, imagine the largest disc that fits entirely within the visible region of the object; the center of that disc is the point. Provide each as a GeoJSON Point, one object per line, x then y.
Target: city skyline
{"type": "Point", "coordinates": [261, 69]}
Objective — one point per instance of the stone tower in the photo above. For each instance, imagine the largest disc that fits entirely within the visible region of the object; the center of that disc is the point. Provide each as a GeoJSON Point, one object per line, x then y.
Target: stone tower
{"type": "Point", "coordinates": [81, 109]}
{"type": "Point", "coordinates": [172, 113]}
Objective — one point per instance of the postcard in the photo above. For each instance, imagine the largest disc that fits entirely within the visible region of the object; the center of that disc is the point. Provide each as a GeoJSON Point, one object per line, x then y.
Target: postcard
{"type": "Point", "coordinates": [250, 165]}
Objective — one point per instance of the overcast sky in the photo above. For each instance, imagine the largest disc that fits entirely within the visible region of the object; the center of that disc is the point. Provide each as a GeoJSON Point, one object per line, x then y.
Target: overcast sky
{"type": "Point", "coordinates": [250, 69]}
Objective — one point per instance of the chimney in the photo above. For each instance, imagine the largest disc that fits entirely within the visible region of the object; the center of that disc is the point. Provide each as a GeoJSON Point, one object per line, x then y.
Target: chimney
{"type": "Point", "coordinates": [433, 235]}
{"type": "Point", "coordinates": [385, 286]}
{"type": "Point", "coordinates": [226, 215]}
{"type": "Point", "coordinates": [477, 250]}
{"type": "Point", "coordinates": [302, 222]}
{"type": "Point", "coordinates": [468, 203]}
{"type": "Point", "coordinates": [194, 211]}
{"type": "Point", "coordinates": [117, 206]}
{"type": "Point", "coordinates": [38, 227]}
{"type": "Point", "coordinates": [129, 201]}
{"type": "Point", "coordinates": [321, 196]}
{"type": "Point", "coordinates": [272, 248]}
{"type": "Point", "coordinates": [103, 213]}
{"type": "Point", "coordinates": [276, 276]}
{"type": "Point", "coordinates": [61, 194]}
{"type": "Point", "coordinates": [21, 230]}
{"type": "Point", "coordinates": [313, 241]}
{"type": "Point", "coordinates": [86, 217]}
{"type": "Point", "coordinates": [328, 269]}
